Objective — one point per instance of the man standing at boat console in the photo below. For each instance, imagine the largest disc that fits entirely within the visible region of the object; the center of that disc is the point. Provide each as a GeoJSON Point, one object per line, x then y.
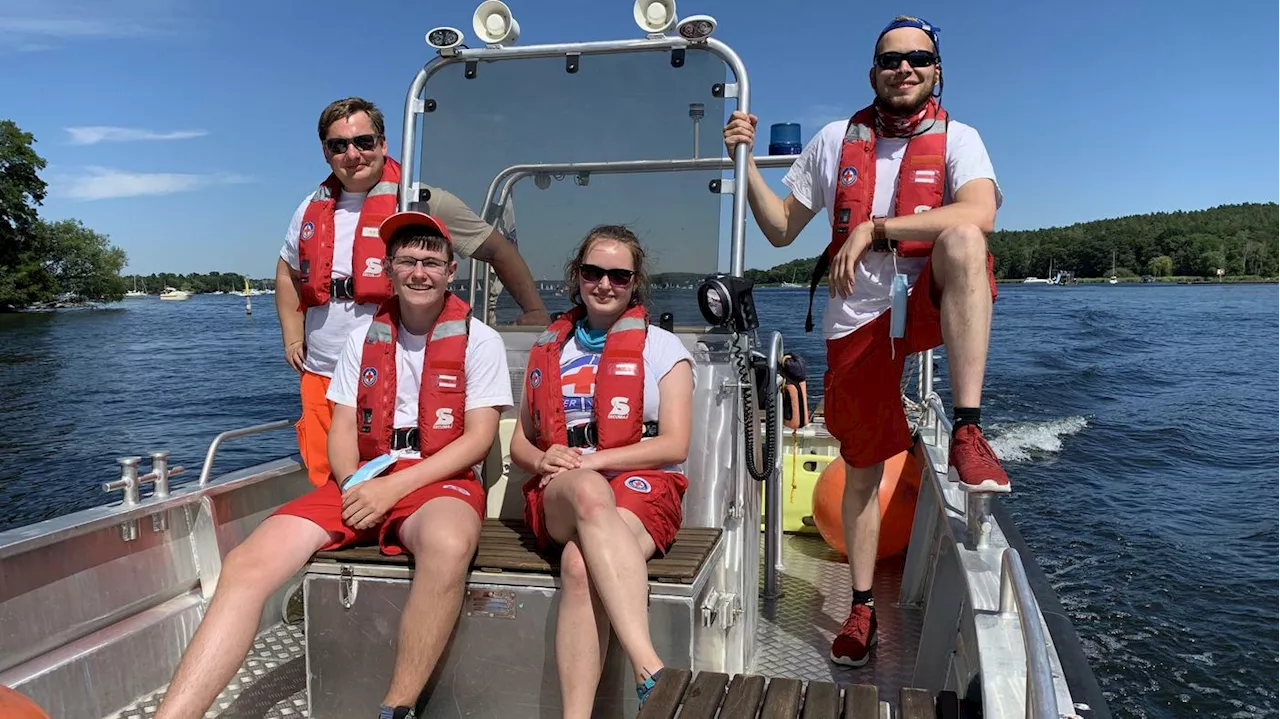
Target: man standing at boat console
{"type": "Point", "coordinates": [911, 195]}
{"type": "Point", "coordinates": [329, 277]}
{"type": "Point", "coordinates": [418, 394]}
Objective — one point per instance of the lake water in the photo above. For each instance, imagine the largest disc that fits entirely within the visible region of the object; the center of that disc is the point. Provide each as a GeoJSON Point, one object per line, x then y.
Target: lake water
{"type": "Point", "coordinates": [1138, 424]}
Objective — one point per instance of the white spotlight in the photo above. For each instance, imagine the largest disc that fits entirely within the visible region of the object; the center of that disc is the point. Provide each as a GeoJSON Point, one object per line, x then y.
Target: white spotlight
{"type": "Point", "coordinates": [494, 24]}
{"type": "Point", "coordinates": [696, 28]}
{"type": "Point", "coordinates": [655, 17]}
{"type": "Point", "coordinates": [444, 38]}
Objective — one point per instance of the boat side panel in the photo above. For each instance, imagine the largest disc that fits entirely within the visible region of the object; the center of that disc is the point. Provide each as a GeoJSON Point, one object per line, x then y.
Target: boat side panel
{"type": "Point", "coordinates": [90, 604]}
{"type": "Point", "coordinates": [60, 592]}
{"type": "Point", "coordinates": [99, 674]}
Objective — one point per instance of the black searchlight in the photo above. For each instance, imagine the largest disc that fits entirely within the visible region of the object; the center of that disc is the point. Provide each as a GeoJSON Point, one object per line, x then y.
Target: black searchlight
{"type": "Point", "coordinates": [726, 301]}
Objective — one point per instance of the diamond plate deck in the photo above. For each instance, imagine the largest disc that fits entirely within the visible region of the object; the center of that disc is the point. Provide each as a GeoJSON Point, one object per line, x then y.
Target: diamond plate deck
{"type": "Point", "coordinates": [795, 632]}
{"type": "Point", "coordinates": [272, 683]}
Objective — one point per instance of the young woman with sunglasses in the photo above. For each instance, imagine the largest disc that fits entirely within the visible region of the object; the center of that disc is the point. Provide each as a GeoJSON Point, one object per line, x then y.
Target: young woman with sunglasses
{"type": "Point", "coordinates": [604, 427]}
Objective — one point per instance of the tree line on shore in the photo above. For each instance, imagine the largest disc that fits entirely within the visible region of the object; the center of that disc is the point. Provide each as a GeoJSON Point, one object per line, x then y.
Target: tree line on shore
{"type": "Point", "coordinates": [196, 282]}
{"type": "Point", "coordinates": [42, 262]}
{"type": "Point", "coordinates": [1241, 240]}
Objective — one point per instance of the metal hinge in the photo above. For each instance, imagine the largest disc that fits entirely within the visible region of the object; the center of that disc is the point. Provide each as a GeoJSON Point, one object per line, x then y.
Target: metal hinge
{"type": "Point", "coordinates": [730, 609]}
{"type": "Point", "coordinates": [347, 587]}
{"type": "Point", "coordinates": [710, 608]}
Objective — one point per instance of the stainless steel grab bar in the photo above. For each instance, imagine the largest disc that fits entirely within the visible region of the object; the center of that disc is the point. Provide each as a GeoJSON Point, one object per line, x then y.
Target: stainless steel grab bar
{"type": "Point", "coordinates": [773, 485]}
{"type": "Point", "coordinates": [1016, 598]}
{"type": "Point", "coordinates": [231, 434]}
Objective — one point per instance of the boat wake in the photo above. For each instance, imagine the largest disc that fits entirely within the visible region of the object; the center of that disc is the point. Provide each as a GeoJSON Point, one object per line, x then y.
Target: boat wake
{"type": "Point", "coordinates": [1023, 441]}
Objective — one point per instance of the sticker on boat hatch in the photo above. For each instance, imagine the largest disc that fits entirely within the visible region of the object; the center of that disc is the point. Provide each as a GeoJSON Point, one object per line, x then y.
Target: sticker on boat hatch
{"type": "Point", "coordinates": [492, 603]}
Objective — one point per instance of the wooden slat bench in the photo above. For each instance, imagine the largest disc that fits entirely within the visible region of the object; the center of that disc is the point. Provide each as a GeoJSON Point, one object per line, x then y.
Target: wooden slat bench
{"type": "Point", "coordinates": [711, 695]}
{"type": "Point", "coordinates": [508, 545]}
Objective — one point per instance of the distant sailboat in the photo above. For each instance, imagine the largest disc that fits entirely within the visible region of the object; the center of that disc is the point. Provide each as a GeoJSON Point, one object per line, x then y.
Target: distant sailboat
{"type": "Point", "coordinates": [792, 283]}
{"type": "Point", "coordinates": [135, 293]}
{"type": "Point", "coordinates": [1041, 280]}
{"type": "Point", "coordinates": [1113, 279]}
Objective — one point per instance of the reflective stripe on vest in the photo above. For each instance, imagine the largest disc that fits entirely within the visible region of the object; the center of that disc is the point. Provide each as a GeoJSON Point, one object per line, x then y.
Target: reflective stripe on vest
{"type": "Point", "coordinates": [619, 385]}
{"type": "Point", "coordinates": [316, 241]}
{"type": "Point", "coordinates": [442, 394]}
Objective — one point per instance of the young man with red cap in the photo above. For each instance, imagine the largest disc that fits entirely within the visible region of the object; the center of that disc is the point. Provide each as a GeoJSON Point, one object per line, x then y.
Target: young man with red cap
{"type": "Point", "coordinates": [911, 195]}
{"type": "Point", "coordinates": [421, 387]}
{"type": "Point", "coordinates": [329, 278]}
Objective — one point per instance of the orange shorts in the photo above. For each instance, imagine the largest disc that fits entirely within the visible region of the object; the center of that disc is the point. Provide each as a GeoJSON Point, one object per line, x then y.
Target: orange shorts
{"type": "Point", "coordinates": [323, 506]}
{"type": "Point", "coordinates": [864, 370]}
{"type": "Point", "coordinates": [654, 496]}
{"type": "Point", "coordinates": [313, 427]}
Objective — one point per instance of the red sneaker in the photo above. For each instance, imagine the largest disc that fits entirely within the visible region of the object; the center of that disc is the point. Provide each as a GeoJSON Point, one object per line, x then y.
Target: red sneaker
{"type": "Point", "coordinates": [852, 646]}
{"type": "Point", "coordinates": [976, 466]}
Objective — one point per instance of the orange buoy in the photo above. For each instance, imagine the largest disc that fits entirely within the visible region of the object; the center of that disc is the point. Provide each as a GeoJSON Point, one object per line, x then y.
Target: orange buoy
{"type": "Point", "coordinates": [899, 487]}
{"type": "Point", "coordinates": [16, 706]}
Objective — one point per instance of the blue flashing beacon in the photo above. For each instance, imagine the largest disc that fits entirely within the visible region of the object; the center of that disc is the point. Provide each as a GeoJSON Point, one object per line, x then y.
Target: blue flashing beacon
{"type": "Point", "coordinates": [784, 138]}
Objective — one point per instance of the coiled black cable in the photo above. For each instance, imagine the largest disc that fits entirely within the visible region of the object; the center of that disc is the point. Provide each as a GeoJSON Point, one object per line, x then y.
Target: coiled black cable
{"type": "Point", "coordinates": [770, 453]}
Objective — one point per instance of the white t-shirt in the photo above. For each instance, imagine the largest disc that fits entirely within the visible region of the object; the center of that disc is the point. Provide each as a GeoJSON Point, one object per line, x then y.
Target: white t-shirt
{"type": "Point", "coordinates": [488, 383]}
{"type": "Point", "coordinates": [812, 180]}
{"type": "Point", "coordinates": [662, 351]}
{"type": "Point", "coordinates": [328, 325]}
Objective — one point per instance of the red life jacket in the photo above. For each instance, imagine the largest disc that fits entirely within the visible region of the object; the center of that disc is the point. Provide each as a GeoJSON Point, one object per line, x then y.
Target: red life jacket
{"type": "Point", "coordinates": [922, 180]}
{"type": "Point", "coordinates": [619, 398]}
{"type": "Point", "coordinates": [442, 395]}
{"type": "Point", "coordinates": [316, 241]}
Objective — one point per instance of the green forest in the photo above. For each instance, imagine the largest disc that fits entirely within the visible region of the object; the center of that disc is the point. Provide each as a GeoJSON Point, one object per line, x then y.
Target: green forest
{"type": "Point", "coordinates": [1242, 240]}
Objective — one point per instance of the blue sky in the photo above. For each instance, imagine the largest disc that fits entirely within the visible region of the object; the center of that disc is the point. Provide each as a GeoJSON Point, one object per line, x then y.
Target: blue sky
{"type": "Point", "coordinates": [186, 130]}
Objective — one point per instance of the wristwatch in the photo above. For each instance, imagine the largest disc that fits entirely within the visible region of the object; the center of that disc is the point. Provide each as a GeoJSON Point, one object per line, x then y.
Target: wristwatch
{"type": "Point", "coordinates": [880, 241]}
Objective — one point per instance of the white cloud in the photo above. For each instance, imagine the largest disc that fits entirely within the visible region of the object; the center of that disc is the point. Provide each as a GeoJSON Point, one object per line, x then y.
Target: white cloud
{"type": "Point", "coordinates": [29, 27]}
{"type": "Point", "coordinates": [102, 183]}
{"type": "Point", "coordinates": [101, 133]}
{"type": "Point", "coordinates": [71, 27]}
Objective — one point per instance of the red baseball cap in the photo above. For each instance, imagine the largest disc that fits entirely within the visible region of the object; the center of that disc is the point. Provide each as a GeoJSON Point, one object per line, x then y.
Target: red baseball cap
{"type": "Point", "coordinates": [411, 218]}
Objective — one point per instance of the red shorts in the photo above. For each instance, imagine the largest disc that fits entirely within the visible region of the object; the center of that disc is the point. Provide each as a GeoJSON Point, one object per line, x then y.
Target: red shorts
{"type": "Point", "coordinates": [654, 496]}
{"type": "Point", "coordinates": [864, 370]}
{"type": "Point", "coordinates": [323, 505]}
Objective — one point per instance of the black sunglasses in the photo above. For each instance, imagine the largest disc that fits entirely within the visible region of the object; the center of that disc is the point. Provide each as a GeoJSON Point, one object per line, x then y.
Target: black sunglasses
{"type": "Point", "coordinates": [915, 58]}
{"type": "Point", "coordinates": [617, 277]}
{"type": "Point", "coordinates": [364, 143]}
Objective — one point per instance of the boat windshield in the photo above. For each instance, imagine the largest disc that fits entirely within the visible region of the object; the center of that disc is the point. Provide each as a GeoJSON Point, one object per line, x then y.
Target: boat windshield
{"type": "Point", "coordinates": [618, 107]}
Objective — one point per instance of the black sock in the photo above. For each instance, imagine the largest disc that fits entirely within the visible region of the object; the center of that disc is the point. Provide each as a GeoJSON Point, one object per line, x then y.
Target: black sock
{"type": "Point", "coordinates": [966, 415]}
{"type": "Point", "coordinates": [863, 597]}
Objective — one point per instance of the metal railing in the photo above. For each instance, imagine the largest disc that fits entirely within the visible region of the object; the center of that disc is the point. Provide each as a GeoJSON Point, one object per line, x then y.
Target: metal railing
{"type": "Point", "coordinates": [415, 105]}
{"type": "Point", "coordinates": [1017, 599]}
{"type": "Point", "coordinates": [499, 192]}
{"type": "Point", "coordinates": [207, 469]}
{"type": "Point", "coordinates": [773, 485]}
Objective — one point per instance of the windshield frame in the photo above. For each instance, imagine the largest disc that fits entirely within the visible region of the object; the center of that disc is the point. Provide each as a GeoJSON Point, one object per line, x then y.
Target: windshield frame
{"type": "Point", "coordinates": [415, 107]}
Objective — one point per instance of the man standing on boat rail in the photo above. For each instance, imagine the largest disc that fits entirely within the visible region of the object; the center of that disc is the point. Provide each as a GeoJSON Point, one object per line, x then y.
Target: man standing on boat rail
{"type": "Point", "coordinates": [329, 277]}
{"type": "Point", "coordinates": [417, 393]}
{"type": "Point", "coordinates": [911, 195]}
